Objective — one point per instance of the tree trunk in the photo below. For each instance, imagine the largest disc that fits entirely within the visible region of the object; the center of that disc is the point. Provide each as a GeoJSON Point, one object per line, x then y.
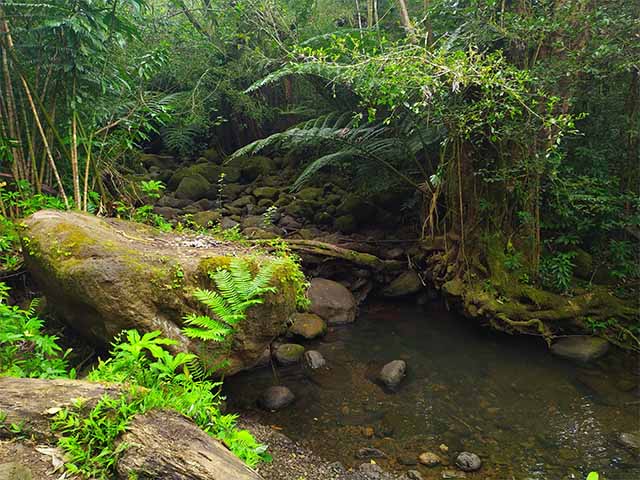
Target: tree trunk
{"type": "Point", "coordinates": [162, 444]}
{"type": "Point", "coordinates": [404, 16]}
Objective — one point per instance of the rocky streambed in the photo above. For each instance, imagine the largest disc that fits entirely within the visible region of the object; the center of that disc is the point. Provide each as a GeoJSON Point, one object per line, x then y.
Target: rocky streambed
{"type": "Point", "coordinates": [523, 411]}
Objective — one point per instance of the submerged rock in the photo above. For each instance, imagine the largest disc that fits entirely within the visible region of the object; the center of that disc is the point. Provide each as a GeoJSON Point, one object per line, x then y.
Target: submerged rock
{"type": "Point", "coordinates": [393, 373]}
{"type": "Point", "coordinates": [103, 276]}
{"type": "Point", "coordinates": [308, 325]}
{"type": "Point", "coordinates": [276, 398]}
{"type": "Point", "coordinates": [367, 453]}
{"type": "Point", "coordinates": [289, 353]}
{"type": "Point", "coordinates": [447, 474]}
{"type": "Point", "coordinates": [468, 462]}
{"type": "Point", "coordinates": [314, 359]}
{"type": "Point", "coordinates": [413, 475]}
{"type": "Point", "coordinates": [332, 301]}
{"type": "Point", "coordinates": [630, 440]}
{"type": "Point", "coordinates": [583, 348]}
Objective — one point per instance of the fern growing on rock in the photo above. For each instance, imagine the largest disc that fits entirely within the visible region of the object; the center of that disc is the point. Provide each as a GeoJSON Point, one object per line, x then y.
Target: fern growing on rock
{"type": "Point", "coordinates": [237, 290]}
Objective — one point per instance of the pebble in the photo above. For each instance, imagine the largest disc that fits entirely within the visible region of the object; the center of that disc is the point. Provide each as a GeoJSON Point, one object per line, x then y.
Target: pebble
{"type": "Point", "coordinates": [453, 474]}
{"type": "Point", "coordinates": [368, 453]}
{"type": "Point", "coordinates": [413, 475]}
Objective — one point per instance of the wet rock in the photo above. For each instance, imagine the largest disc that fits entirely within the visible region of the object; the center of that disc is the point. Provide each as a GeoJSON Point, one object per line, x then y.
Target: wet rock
{"type": "Point", "coordinates": [443, 448]}
{"type": "Point", "coordinates": [583, 348]}
{"type": "Point", "coordinates": [308, 325]}
{"type": "Point", "coordinates": [276, 398]}
{"type": "Point", "coordinates": [253, 221]}
{"type": "Point", "coordinates": [170, 201]}
{"type": "Point", "coordinates": [393, 373]}
{"type": "Point", "coordinates": [446, 474]}
{"type": "Point", "coordinates": [367, 453]}
{"type": "Point", "coordinates": [630, 440]}
{"type": "Point", "coordinates": [314, 359]}
{"type": "Point", "coordinates": [331, 301]}
{"type": "Point", "coordinates": [289, 353]}
{"type": "Point", "coordinates": [429, 459]}
{"type": "Point", "coordinates": [413, 475]}
{"type": "Point", "coordinates": [406, 283]}
{"type": "Point", "coordinates": [468, 462]}
{"type": "Point", "coordinates": [15, 471]}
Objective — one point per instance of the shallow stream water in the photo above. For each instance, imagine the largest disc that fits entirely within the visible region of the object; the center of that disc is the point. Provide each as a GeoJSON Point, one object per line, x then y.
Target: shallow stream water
{"type": "Point", "coordinates": [528, 414]}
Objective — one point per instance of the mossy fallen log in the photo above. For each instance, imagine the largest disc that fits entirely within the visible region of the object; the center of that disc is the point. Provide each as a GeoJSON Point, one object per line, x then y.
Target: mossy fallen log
{"type": "Point", "coordinates": [161, 444]}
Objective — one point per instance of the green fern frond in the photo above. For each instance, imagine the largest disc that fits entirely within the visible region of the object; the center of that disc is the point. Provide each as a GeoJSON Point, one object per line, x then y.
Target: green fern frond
{"type": "Point", "coordinates": [205, 328]}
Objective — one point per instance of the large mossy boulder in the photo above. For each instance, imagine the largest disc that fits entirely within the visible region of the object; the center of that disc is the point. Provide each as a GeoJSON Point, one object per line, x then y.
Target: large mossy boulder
{"type": "Point", "coordinates": [106, 275]}
{"type": "Point", "coordinates": [193, 187]}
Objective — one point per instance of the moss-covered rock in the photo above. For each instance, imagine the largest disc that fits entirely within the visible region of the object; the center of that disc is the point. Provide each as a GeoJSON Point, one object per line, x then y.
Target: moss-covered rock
{"type": "Point", "coordinates": [310, 194]}
{"type": "Point", "coordinates": [361, 210]}
{"type": "Point", "coordinates": [193, 187]}
{"type": "Point", "coordinates": [345, 223]}
{"type": "Point", "coordinates": [206, 218]}
{"type": "Point", "coordinates": [270, 193]}
{"type": "Point", "coordinates": [252, 167]}
{"type": "Point", "coordinates": [106, 275]}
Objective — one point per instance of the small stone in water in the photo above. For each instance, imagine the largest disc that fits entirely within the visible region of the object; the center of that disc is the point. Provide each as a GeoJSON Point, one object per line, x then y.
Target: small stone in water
{"type": "Point", "coordinates": [429, 459]}
{"type": "Point", "coordinates": [413, 475]}
{"type": "Point", "coordinates": [393, 373]}
{"type": "Point", "coordinates": [443, 448]}
{"type": "Point", "coordinates": [314, 359]}
{"type": "Point", "coordinates": [367, 453]}
{"type": "Point", "coordinates": [468, 462]}
{"type": "Point", "coordinates": [368, 432]}
{"type": "Point", "coordinates": [371, 470]}
{"type": "Point", "coordinates": [276, 398]}
{"type": "Point", "coordinates": [453, 474]}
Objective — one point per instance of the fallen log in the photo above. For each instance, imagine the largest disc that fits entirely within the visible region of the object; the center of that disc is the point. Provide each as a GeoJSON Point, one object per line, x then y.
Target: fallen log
{"type": "Point", "coordinates": [323, 249]}
{"type": "Point", "coordinates": [161, 444]}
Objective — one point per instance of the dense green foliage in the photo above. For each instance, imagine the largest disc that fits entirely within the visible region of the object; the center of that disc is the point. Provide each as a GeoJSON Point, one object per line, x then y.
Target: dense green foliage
{"type": "Point", "coordinates": [25, 350]}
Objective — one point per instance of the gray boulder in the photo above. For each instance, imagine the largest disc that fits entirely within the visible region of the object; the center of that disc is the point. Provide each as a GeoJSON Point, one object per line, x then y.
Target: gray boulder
{"type": "Point", "coordinates": [582, 348]}
{"type": "Point", "coordinates": [393, 373]}
{"type": "Point", "coordinates": [468, 462]}
{"type": "Point", "coordinates": [276, 398]}
{"type": "Point", "coordinates": [332, 301]}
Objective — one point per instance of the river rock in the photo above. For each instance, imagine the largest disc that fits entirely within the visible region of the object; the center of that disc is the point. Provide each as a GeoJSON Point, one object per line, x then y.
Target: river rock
{"type": "Point", "coordinates": [630, 440]}
{"type": "Point", "coordinates": [583, 348]}
{"type": "Point", "coordinates": [227, 223]}
{"type": "Point", "coordinates": [193, 187]}
{"type": "Point", "coordinates": [371, 470]}
{"type": "Point", "coordinates": [314, 359]}
{"type": "Point", "coordinates": [269, 193]}
{"type": "Point", "coordinates": [332, 301]}
{"type": "Point", "coordinates": [367, 453]}
{"type": "Point", "coordinates": [308, 325]}
{"type": "Point", "coordinates": [289, 353]}
{"type": "Point", "coordinates": [406, 283]}
{"type": "Point", "coordinates": [450, 474]}
{"type": "Point", "coordinates": [276, 398]}
{"type": "Point", "coordinates": [104, 275]}
{"type": "Point", "coordinates": [468, 462]}
{"type": "Point", "coordinates": [206, 219]}
{"type": "Point", "coordinates": [413, 475]}
{"type": "Point", "coordinates": [429, 459]}
{"type": "Point", "coordinates": [393, 373]}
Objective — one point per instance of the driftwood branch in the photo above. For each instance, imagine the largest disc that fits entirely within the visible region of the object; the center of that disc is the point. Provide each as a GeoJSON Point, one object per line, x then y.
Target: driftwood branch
{"type": "Point", "coordinates": [162, 444]}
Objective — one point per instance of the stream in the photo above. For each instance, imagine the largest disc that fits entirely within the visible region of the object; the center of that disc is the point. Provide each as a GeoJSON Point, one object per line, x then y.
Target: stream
{"type": "Point", "coordinates": [526, 413]}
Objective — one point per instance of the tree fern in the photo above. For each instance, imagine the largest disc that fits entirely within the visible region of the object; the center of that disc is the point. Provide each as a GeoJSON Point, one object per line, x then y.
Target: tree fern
{"type": "Point", "coordinates": [237, 289]}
